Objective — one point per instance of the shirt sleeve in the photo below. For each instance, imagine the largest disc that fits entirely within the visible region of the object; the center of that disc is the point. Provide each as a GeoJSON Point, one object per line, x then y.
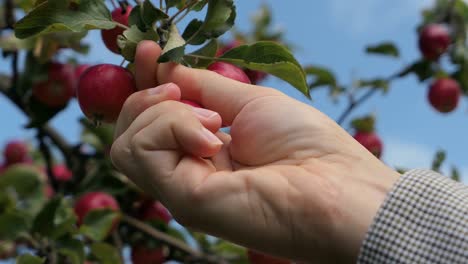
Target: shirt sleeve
{"type": "Point", "coordinates": [424, 219]}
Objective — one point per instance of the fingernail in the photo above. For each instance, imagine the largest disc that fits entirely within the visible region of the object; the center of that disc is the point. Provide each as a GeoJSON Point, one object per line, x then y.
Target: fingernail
{"type": "Point", "coordinates": [159, 89]}
{"type": "Point", "coordinates": [212, 138]}
{"type": "Point", "coordinates": [204, 112]}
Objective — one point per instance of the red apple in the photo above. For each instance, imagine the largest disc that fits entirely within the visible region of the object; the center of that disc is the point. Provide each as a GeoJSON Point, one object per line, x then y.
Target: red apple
{"type": "Point", "coordinates": [225, 48]}
{"type": "Point", "coordinates": [94, 201]}
{"type": "Point", "coordinates": [256, 257]}
{"type": "Point", "coordinates": [62, 173]}
{"type": "Point", "coordinates": [102, 91]}
{"type": "Point", "coordinates": [48, 191]}
{"type": "Point", "coordinates": [154, 210]}
{"type": "Point", "coordinates": [371, 142]}
{"type": "Point", "coordinates": [255, 77]}
{"type": "Point", "coordinates": [434, 40]}
{"type": "Point", "coordinates": [109, 36]}
{"type": "Point", "coordinates": [58, 89]}
{"type": "Point", "coordinates": [229, 71]}
{"type": "Point", "coordinates": [444, 95]}
{"type": "Point", "coordinates": [16, 152]}
{"type": "Point", "coordinates": [79, 70]}
{"type": "Point", "coordinates": [144, 255]}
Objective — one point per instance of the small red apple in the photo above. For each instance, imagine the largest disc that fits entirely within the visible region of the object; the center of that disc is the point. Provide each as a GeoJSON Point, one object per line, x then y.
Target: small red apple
{"type": "Point", "coordinates": [102, 91]}
{"type": "Point", "coordinates": [230, 71]}
{"type": "Point", "coordinates": [444, 95]}
{"type": "Point", "coordinates": [16, 152]}
{"type": "Point", "coordinates": [94, 201]}
{"type": "Point", "coordinates": [371, 142]}
{"type": "Point", "coordinates": [255, 77]}
{"type": "Point", "coordinates": [62, 173]}
{"type": "Point", "coordinates": [109, 36]}
{"type": "Point", "coordinates": [256, 257]}
{"type": "Point", "coordinates": [434, 39]}
{"type": "Point", "coordinates": [154, 210]}
{"type": "Point", "coordinates": [59, 87]}
{"type": "Point", "coordinates": [48, 191]}
{"type": "Point", "coordinates": [144, 255]}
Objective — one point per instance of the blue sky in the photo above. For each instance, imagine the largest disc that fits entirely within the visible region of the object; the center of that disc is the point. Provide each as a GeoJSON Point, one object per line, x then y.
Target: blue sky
{"type": "Point", "coordinates": [333, 33]}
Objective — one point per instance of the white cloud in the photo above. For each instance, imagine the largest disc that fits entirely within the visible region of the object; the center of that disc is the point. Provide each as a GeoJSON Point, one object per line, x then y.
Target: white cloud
{"type": "Point", "coordinates": [368, 16]}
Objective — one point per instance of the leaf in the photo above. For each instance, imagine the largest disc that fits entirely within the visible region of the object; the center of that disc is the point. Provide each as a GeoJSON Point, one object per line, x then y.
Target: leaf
{"type": "Point", "coordinates": [105, 253]}
{"type": "Point", "coordinates": [322, 76]}
{"type": "Point", "coordinates": [98, 223]}
{"type": "Point", "coordinates": [364, 124]}
{"type": "Point", "coordinates": [172, 3]}
{"type": "Point", "coordinates": [175, 46]}
{"type": "Point", "coordinates": [144, 16]}
{"type": "Point", "coordinates": [228, 250]}
{"type": "Point", "coordinates": [13, 225]}
{"type": "Point", "coordinates": [191, 33]}
{"type": "Point", "coordinates": [55, 219]}
{"type": "Point", "coordinates": [52, 17]}
{"type": "Point", "coordinates": [386, 49]}
{"type": "Point", "coordinates": [438, 160]}
{"type": "Point", "coordinates": [375, 84]}
{"type": "Point", "coordinates": [128, 42]}
{"type": "Point", "coordinates": [455, 174]}
{"type": "Point", "coordinates": [423, 70]}
{"type": "Point", "coordinates": [209, 50]}
{"type": "Point", "coordinates": [219, 18]}
{"type": "Point", "coordinates": [72, 249]}
{"type": "Point", "coordinates": [271, 58]}
{"type": "Point", "coordinates": [29, 259]}
{"type": "Point", "coordinates": [100, 137]}
{"type": "Point", "coordinates": [27, 183]}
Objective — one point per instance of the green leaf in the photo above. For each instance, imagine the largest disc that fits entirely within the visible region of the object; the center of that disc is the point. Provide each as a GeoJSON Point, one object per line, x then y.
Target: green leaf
{"type": "Point", "coordinates": [100, 137]}
{"type": "Point", "coordinates": [13, 225]}
{"type": "Point", "coordinates": [128, 42]}
{"type": "Point", "coordinates": [144, 16]}
{"type": "Point", "coordinates": [175, 46]}
{"type": "Point", "coordinates": [27, 183]}
{"type": "Point", "coordinates": [438, 160]}
{"type": "Point", "coordinates": [219, 18]}
{"type": "Point", "coordinates": [191, 33]}
{"type": "Point", "coordinates": [364, 124]}
{"type": "Point", "coordinates": [375, 84]}
{"type": "Point", "coordinates": [105, 253]}
{"type": "Point", "coordinates": [55, 219]}
{"type": "Point", "coordinates": [271, 58]}
{"type": "Point", "coordinates": [72, 249]}
{"type": "Point", "coordinates": [172, 3]}
{"type": "Point", "coordinates": [455, 174]}
{"type": "Point", "coordinates": [423, 70]}
{"type": "Point", "coordinates": [322, 76]}
{"type": "Point", "coordinates": [29, 259]}
{"type": "Point", "coordinates": [386, 49]}
{"type": "Point", "coordinates": [200, 5]}
{"type": "Point", "coordinates": [228, 250]}
{"type": "Point", "coordinates": [98, 223]}
{"type": "Point", "coordinates": [52, 17]}
{"type": "Point", "coordinates": [209, 50]}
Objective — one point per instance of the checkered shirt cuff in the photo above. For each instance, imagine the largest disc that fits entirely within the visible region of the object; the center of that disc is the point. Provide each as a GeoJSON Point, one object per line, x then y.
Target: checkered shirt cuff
{"type": "Point", "coordinates": [424, 219]}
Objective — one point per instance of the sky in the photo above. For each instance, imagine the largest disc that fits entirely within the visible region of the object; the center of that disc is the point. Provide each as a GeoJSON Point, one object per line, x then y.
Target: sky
{"type": "Point", "coordinates": [333, 34]}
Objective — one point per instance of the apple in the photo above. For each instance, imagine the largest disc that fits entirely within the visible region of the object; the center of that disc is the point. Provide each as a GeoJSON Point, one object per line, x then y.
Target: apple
{"type": "Point", "coordinates": [16, 152]}
{"type": "Point", "coordinates": [370, 141]}
{"type": "Point", "coordinates": [154, 210]}
{"type": "Point", "coordinates": [444, 94]}
{"type": "Point", "coordinates": [109, 36]}
{"type": "Point", "coordinates": [62, 173]}
{"type": "Point", "coordinates": [102, 91]}
{"type": "Point", "coordinates": [434, 40]}
{"type": "Point", "coordinates": [144, 255]}
{"type": "Point", "coordinates": [230, 71]}
{"type": "Point", "coordinates": [94, 201]}
{"type": "Point", "coordinates": [59, 87]}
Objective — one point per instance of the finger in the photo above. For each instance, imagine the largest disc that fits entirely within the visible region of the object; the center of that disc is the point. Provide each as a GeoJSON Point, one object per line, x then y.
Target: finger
{"type": "Point", "coordinates": [147, 53]}
{"type": "Point", "coordinates": [213, 91]}
{"type": "Point", "coordinates": [138, 102]}
{"type": "Point", "coordinates": [222, 161]}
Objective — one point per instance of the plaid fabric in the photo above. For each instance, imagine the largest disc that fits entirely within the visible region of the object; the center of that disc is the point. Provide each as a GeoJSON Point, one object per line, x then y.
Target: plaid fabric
{"type": "Point", "coordinates": [424, 219]}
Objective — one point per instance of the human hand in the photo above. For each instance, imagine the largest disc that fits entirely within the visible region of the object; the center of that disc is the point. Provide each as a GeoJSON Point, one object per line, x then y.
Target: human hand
{"type": "Point", "coordinates": [287, 180]}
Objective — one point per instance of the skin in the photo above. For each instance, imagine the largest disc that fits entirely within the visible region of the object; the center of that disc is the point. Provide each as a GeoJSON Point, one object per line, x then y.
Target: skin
{"type": "Point", "coordinates": [287, 181]}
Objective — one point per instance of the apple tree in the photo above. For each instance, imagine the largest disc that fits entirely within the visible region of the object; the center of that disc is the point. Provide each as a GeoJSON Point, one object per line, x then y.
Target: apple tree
{"type": "Point", "coordinates": [66, 203]}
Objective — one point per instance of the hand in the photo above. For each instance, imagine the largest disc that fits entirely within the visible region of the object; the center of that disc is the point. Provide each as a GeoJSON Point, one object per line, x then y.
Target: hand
{"type": "Point", "coordinates": [287, 180]}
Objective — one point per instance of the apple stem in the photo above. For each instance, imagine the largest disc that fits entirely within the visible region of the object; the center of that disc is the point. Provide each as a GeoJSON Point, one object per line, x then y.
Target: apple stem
{"type": "Point", "coordinates": [118, 243]}
{"type": "Point", "coordinates": [121, 25]}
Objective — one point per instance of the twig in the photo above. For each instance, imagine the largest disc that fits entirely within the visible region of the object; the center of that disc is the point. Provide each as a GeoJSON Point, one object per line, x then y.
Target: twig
{"type": "Point", "coordinates": [186, 6]}
{"type": "Point", "coordinates": [355, 103]}
{"type": "Point", "coordinates": [113, 4]}
{"type": "Point", "coordinates": [161, 4]}
{"type": "Point", "coordinates": [48, 159]}
{"type": "Point", "coordinates": [118, 243]}
{"type": "Point", "coordinates": [9, 14]}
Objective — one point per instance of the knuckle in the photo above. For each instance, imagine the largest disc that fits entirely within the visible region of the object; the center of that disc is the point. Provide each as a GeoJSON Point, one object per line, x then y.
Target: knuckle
{"type": "Point", "coordinates": [116, 153]}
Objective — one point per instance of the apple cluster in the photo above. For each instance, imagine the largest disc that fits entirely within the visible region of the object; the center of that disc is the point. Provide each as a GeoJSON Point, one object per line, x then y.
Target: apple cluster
{"type": "Point", "coordinates": [444, 92]}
